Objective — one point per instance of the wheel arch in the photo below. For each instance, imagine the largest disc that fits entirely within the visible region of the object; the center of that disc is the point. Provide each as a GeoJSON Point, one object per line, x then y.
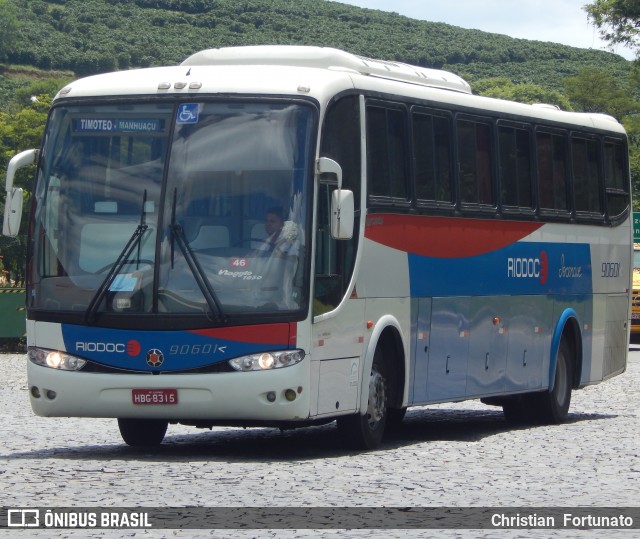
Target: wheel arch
{"type": "Point", "coordinates": [567, 326]}
{"type": "Point", "coordinates": [387, 334]}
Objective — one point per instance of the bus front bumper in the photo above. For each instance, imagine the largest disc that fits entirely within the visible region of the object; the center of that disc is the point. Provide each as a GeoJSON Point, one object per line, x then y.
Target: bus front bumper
{"type": "Point", "coordinates": [243, 396]}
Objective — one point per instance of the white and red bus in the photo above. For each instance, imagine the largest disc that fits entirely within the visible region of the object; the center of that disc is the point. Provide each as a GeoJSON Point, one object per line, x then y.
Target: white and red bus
{"type": "Point", "coordinates": [421, 245]}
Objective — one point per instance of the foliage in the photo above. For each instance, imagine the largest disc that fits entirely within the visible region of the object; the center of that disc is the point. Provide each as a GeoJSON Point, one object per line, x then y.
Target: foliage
{"type": "Point", "coordinates": [90, 36]}
{"type": "Point", "coordinates": [20, 131]}
{"type": "Point", "coordinates": [8, 28]}
{"type": "Point", "coordinates": [594, 90]}
{"type": "Point", "coordinates": [503, 88]}
{"type": "Point", "coordinates": [618, 20]}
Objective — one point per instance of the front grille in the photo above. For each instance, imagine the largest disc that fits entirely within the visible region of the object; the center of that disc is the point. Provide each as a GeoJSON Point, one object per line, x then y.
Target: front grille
{"type": "Point", "coordinates": [222, 366]}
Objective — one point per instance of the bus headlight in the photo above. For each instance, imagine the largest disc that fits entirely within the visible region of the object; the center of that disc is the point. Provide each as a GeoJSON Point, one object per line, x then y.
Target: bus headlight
{"type": "Point", "coordinates": [55, 359]}
{"type": "Point", "coordinates": [267, 360]}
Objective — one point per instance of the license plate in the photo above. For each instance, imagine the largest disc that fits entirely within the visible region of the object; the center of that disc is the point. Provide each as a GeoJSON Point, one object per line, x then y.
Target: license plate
{"type": "Point", "coordinates": [154, 396]}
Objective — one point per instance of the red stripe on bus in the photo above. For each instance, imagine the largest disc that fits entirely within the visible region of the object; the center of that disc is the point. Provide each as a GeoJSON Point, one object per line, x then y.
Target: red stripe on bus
{"type": "Point", "coordinates": [277, 334]}
{"type": "Point", "coordinates": [445, 237]}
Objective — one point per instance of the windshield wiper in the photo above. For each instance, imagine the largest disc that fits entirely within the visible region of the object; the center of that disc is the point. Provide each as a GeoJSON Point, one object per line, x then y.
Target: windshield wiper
{"type": "Point", "coordinates": [177, 233]}
{"type": "Point", "coordinates": [90, 314]}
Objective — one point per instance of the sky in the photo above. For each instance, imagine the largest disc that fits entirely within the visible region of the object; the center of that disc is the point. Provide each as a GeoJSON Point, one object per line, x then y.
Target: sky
{"type": "Point", "coordinates": [559, 21]}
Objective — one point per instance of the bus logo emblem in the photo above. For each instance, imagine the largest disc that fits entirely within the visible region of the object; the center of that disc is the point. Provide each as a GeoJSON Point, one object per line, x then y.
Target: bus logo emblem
{"type": "Point", "coordinates": [155, 358]}
{"type": "Point", "coordinates": [529, 268]}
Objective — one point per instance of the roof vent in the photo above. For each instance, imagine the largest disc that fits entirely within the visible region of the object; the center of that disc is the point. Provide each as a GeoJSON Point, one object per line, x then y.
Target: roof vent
{"type": "Point", "coordinates": [327, 58]}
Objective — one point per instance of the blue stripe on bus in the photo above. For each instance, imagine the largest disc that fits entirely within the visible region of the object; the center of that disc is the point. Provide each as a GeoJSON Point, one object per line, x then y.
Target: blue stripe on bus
{"type": "Point", "coordinates": [174, 350]}
{"type": "Point", "coordinates": [520, 268]}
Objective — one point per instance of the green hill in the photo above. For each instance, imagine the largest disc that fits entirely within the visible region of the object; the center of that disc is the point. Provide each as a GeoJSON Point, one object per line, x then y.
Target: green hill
{"type": "Point", "coordinates": [90, 36]}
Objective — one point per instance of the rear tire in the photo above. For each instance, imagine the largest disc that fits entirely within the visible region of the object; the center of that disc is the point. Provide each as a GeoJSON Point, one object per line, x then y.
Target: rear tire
{"type": "Point", "coordinates": [365, 431]}
{"type": "Point", "coordinates": [552, 407]}
{"type": "Point", "coordinates": [142, 432]}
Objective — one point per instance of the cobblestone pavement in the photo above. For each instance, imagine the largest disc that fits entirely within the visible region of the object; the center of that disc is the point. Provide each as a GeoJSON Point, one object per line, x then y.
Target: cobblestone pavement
{"type": "Point", "coordinates": [447, 455]}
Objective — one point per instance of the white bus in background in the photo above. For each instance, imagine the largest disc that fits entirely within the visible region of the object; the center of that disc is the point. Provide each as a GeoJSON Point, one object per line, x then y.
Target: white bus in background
{"type": "Point", "coordinates": [429, 246]}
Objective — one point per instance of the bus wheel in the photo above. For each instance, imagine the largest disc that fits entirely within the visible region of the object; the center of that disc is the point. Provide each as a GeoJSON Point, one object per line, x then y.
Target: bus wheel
{"type": "Point", "coordinates": [553, 405]}
{"type": "Point", "coordinates": [364, 431]}
{"type": "Point", "coordinates": [142, 432]}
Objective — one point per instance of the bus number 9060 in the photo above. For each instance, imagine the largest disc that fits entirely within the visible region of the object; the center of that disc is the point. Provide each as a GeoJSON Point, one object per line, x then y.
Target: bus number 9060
{"type": "Point", "coordinates": [195, 349]}
{"type": "Point", "coordinates": [610, 269]}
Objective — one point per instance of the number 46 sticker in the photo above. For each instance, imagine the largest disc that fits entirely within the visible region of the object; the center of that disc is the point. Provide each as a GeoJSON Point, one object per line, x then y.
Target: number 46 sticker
{"type": "Point", "coordinates": [239, 262]}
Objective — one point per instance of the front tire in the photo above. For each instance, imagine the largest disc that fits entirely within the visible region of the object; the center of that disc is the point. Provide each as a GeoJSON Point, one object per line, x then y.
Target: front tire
{"type": "Point", "coordinates": [365, 431]}
{"type": "Point", "coordinates": [142, 432]}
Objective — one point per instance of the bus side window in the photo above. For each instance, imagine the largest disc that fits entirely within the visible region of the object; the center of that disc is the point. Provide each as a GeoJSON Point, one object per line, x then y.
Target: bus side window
{"type": "Point", "coordinates": [432, 143]}
{"type": "Point", "coordinates": [586, 182]}
{"type": "Point", "coordinates": [615, 179]}
{"type": "Point", "coordinates": [552, 173]}
{"type": "Point", "coordinates": [386, 150]}
{"type": "Point", "coordinates": [515, 167]}
{"type": "Point", "coordinates": [474, 155]}
{"type": "Point", "coordinates": [335, 259]}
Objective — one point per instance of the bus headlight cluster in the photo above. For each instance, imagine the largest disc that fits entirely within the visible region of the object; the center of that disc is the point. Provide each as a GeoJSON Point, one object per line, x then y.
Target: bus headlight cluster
{"type": "Point", "coordinates": [55, 359]}
{"type": "Point", "coordinates": [267, 360]}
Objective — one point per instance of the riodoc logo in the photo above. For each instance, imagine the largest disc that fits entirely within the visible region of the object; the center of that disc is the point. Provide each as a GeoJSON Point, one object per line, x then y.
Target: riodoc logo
{"type": "Point", "coordinates": [132, 347]}
{"type": "Point", "coordinates": [529, 268]}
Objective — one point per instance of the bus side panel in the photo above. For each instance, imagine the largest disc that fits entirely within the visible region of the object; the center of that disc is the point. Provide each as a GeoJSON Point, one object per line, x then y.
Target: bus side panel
{"type": "Point", "coordinates": [337, 345]}
{"type": "Point", "coordinates": [616, 335]}
{"type": "Point", "coordinates": [449, 350]}
{"type": "Point", "coordinates": [529, 336]}
{"type": "Point", "coordinates": [420, 344]}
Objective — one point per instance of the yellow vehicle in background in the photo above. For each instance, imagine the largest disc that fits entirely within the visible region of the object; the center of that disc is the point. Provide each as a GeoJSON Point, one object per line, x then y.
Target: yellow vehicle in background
{"type": "Point", "coordinates": [635, 303]}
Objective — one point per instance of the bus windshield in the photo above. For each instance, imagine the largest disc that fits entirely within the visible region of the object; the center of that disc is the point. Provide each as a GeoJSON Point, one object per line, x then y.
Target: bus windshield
{"type": "Point", "coordinates": [195, 209]}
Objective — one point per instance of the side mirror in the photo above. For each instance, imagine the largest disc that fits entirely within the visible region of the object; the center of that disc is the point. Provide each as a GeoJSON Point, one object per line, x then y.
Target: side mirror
{"type": "Point", "coordinates": [13, 202]}
{"type": "Point", "coordinates": [342, 205]}
{"type": "Point", "coordinates": [12, 213]}
{"type": "Point", "coordinates": [342, 214]}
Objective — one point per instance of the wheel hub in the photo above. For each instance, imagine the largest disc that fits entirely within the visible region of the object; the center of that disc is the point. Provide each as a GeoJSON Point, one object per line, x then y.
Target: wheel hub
{"type": "Point", "coordinates": [377, 399]}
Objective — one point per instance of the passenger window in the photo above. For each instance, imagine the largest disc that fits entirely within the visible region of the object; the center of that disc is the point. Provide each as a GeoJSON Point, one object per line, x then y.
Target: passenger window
{"type": "Point", "coordinates": [432, 157]}
{"type": "Point", "coordinates": [615, 179]}
{"type": "Point", "coordinates": [386, 150]}
{"type": "Point", "coordinates": [552, 171]}
{"type": "Point", "coordinates": [586, 178]}
{"type": "Point", "coordinates": [474, 155]}
{"type": "Point", "coordinates": [515, 167]}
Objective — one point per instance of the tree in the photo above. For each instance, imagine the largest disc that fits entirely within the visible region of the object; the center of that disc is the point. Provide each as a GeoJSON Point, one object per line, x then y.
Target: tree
{"type": "Point", "coordinates": [8, 28]}
{"type": "Point", "coordinates": [18, 132]}
{"type": "Point", "coordinates": [595, 90]}
{"type": "Point", "coordinates": [503, 88]}
{"type": "Point", "coordinates": [617, 20]}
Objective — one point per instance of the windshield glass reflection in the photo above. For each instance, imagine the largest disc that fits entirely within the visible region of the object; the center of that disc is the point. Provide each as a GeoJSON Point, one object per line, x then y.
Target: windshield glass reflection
{"type": "Point", "coordinates": [204, 216]}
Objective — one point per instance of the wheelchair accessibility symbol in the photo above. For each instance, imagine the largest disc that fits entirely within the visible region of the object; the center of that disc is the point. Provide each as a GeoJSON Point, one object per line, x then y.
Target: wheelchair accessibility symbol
{"type": "Point", "coordinates": [188, 113]}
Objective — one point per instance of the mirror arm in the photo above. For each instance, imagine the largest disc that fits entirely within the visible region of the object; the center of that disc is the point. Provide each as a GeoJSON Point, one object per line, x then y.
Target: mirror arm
{"type": "Point", "coordinates": [324, 165]}
{"type": "Point", "coordinates": [28, 157]}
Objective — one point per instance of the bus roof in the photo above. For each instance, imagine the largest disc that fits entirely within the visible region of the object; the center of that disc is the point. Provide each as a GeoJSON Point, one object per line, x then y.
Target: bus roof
{"type": "Point", "coordinates": [318, 72]}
